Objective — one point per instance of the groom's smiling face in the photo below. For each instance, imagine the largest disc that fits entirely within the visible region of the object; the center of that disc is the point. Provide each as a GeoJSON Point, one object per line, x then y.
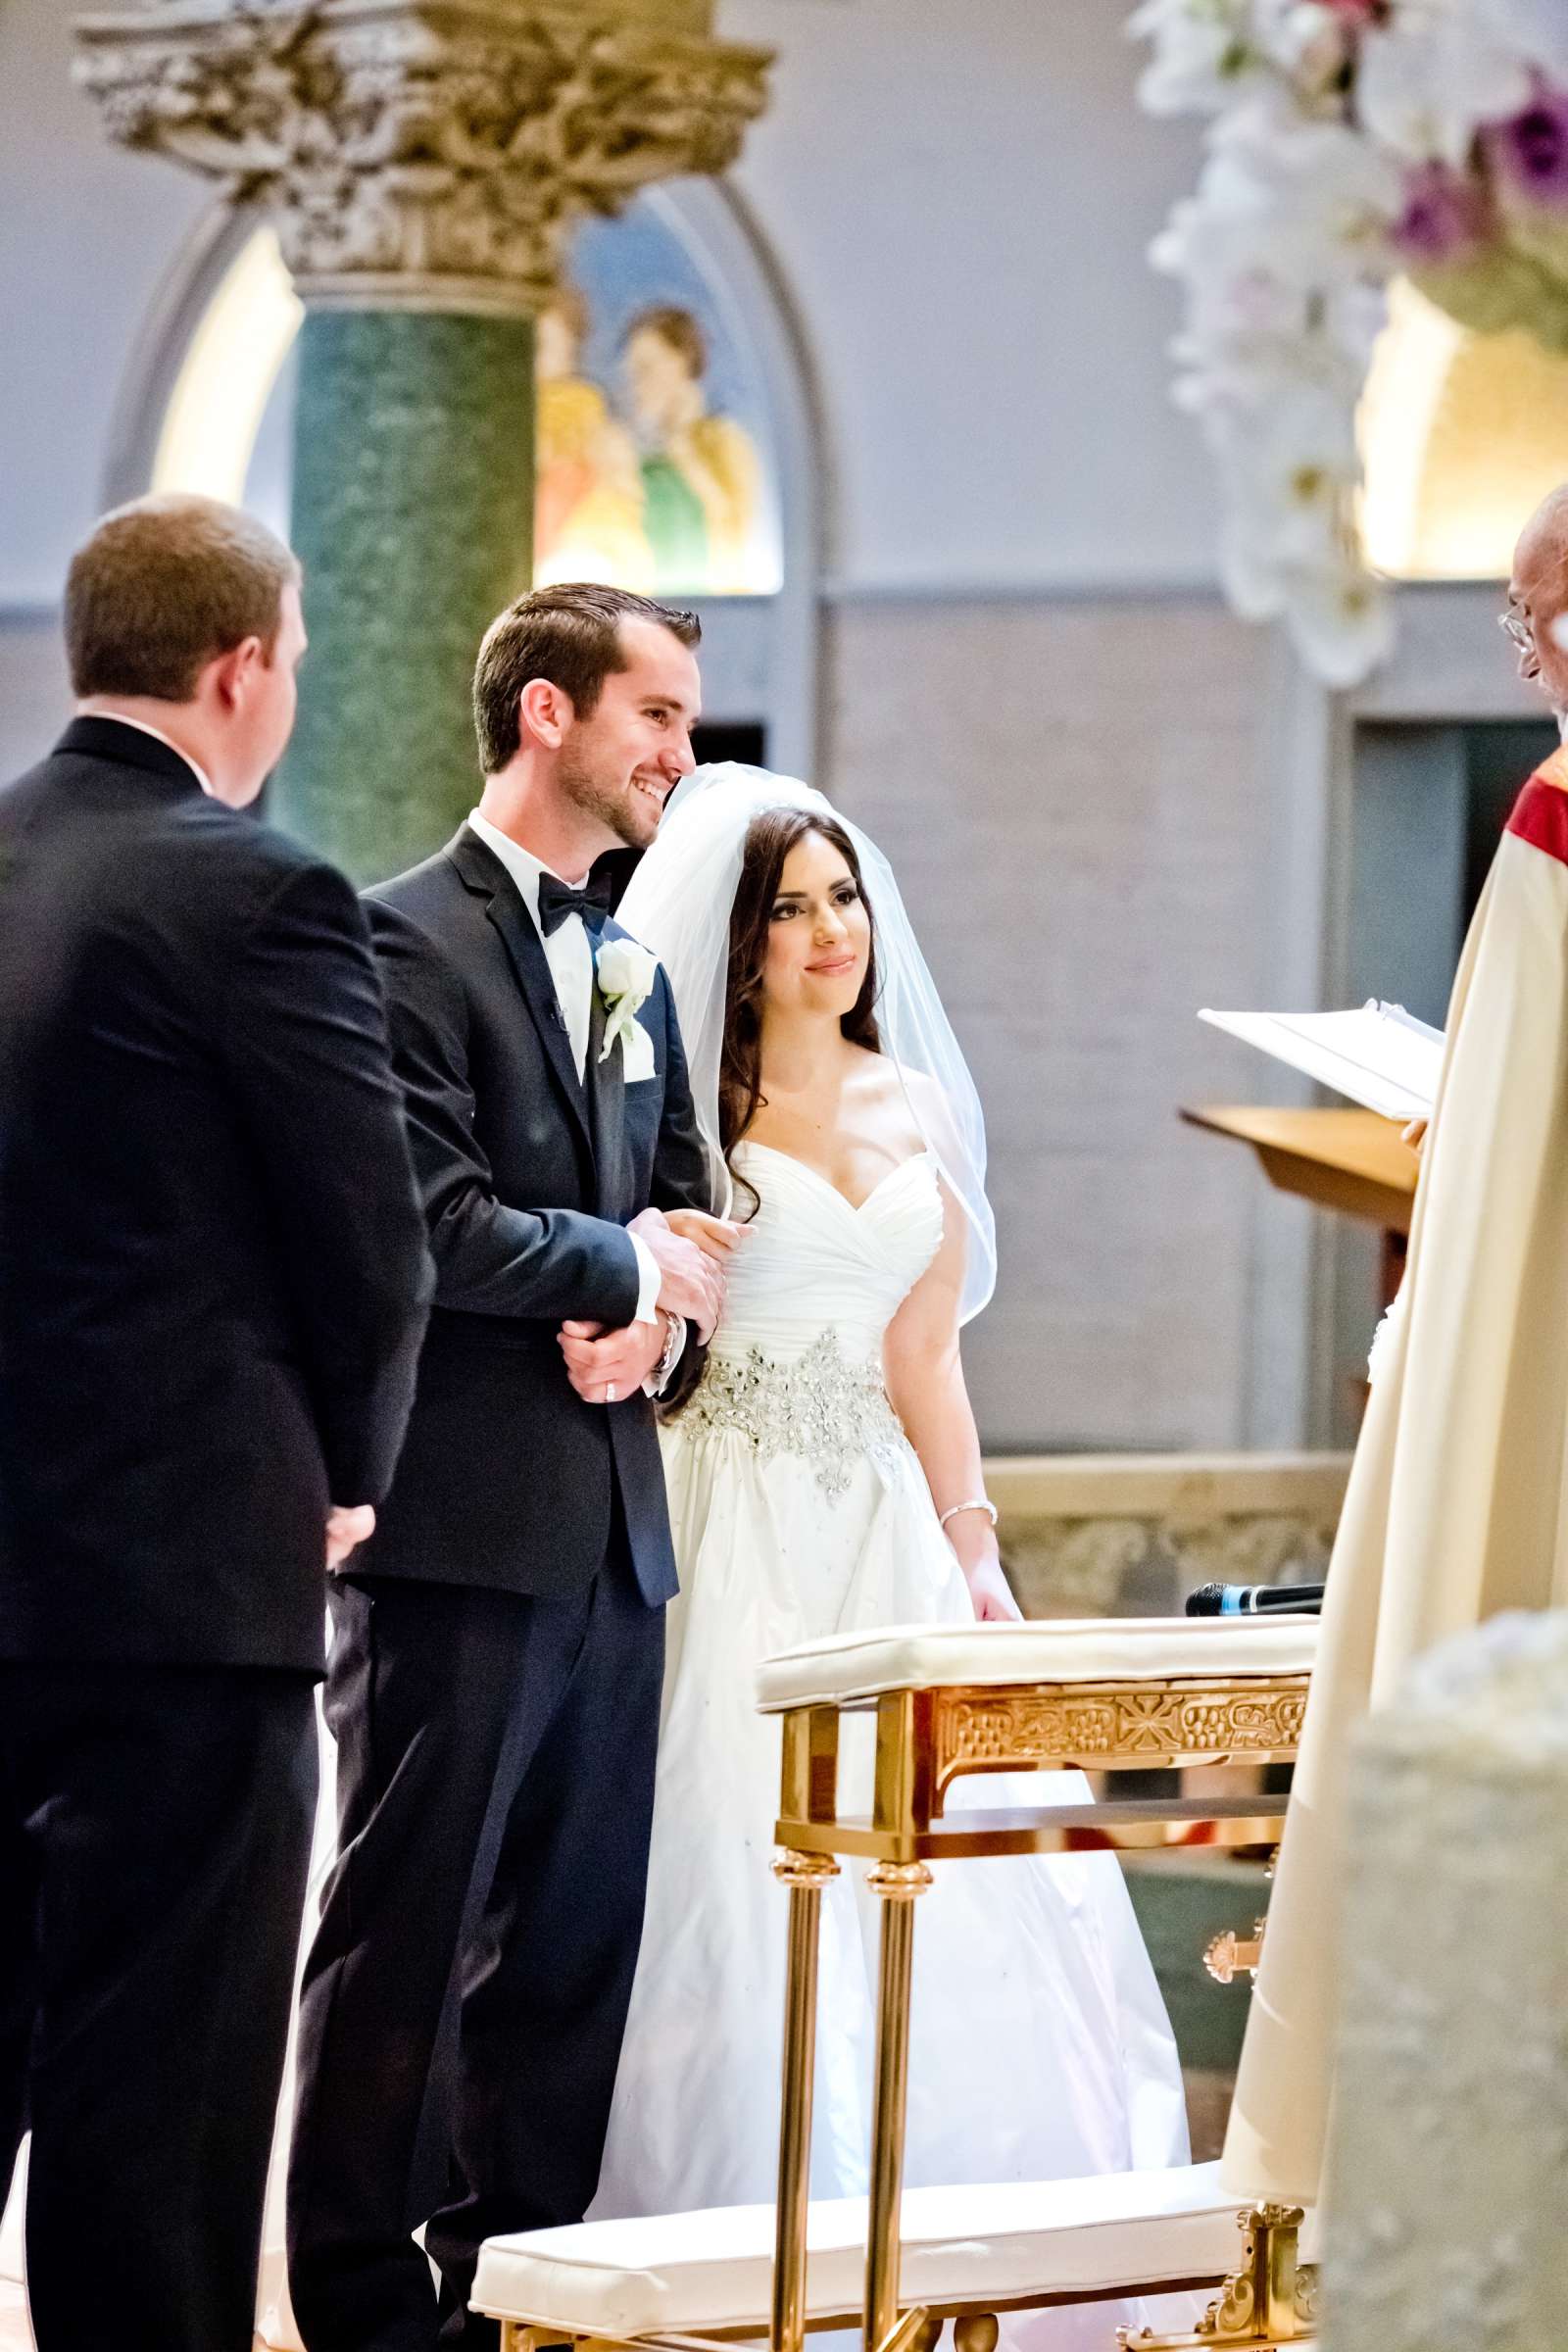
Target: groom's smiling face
{"type": "Point", "coordinates": [623, 761]}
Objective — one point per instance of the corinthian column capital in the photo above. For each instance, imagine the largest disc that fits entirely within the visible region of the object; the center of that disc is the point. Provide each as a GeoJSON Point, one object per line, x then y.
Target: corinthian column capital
{"type": "Point", "coordinates": [425, 154]}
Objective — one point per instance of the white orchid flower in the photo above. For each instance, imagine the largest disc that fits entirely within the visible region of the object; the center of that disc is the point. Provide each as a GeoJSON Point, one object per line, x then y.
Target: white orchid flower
{"type": "Point", "coordinates": [1286, 247]}
{"type": "Point", "coordinates": [1310, 43]}
{"type": "Point", "coordinates": [1342, 621]}
{"type": "Point", "coordinates": [1254, 580]}
{"type": "Point", "coordinates": [1201, 52]}
{"type": "Point", "coordinates": [1432, 75]}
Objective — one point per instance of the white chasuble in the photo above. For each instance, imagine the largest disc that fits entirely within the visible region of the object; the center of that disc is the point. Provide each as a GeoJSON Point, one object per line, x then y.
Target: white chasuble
{"type": "Point", "coordinates": [1456, 1503]}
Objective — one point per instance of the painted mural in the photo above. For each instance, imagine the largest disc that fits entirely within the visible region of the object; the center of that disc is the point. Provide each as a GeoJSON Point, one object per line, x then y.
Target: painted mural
{"type": "Point", "coordinates": [654, 465]}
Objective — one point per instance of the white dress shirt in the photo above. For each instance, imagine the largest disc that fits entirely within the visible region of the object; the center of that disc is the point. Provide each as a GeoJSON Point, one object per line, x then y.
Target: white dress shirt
{"type": "Point", "coordinates": [570, 957]}
{"type": "Point", "coordinates": [122, 720]}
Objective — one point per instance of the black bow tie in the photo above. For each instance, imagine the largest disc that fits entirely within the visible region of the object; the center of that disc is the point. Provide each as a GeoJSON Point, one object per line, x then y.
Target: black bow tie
{"type": "Point", "coordinates": [558, 899]}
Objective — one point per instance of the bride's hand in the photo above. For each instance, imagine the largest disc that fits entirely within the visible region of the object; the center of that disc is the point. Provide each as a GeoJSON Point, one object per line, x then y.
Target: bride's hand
{"type": "Point", "coordinates": [717, 1235]}
{"type": "Point", "coordinates": [994, 1604]}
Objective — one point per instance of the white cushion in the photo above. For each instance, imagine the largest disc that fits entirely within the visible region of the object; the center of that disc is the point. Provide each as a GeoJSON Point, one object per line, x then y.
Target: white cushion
{"type": "Point", "coordinates": [960, 2245]}
{"type": "Point", "coordinates": [1090, 1649]}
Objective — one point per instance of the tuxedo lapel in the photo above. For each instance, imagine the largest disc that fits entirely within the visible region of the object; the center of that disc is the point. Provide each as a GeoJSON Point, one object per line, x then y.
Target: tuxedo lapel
{"type": "Point", "coordinates": [484, 873]}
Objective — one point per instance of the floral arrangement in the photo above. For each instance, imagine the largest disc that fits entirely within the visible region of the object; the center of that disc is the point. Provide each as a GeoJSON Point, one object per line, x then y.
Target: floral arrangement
{"type": "Point", "coordinates": [1350, 141]}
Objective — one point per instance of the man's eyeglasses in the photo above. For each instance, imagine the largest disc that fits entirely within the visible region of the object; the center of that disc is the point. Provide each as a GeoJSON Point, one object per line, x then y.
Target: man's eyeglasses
{"type": "Point", "coordinates": [1518, 630]}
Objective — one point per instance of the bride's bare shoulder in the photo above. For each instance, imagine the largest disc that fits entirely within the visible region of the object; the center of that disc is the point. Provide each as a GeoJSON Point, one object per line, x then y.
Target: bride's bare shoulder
{"type": "Point", "coordinates": [886, 1096]}
{"type": "Point", "coordinates": [925, 1094]}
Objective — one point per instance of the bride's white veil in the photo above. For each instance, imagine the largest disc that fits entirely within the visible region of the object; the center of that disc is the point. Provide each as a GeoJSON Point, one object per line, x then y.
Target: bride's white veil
{"type": "Point", "coordinates": [678, 904]}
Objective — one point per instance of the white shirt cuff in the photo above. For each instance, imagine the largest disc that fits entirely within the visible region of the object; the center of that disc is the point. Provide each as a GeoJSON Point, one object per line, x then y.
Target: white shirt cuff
{"type": "Point", "coordinates": [649, 1279]}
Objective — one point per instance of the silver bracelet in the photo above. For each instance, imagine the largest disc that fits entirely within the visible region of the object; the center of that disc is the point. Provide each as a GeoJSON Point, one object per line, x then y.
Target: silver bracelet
{"type": "Point", "coordinates": [978, 1504]}
{"type": "Point", "coordinates": [670, 1353]}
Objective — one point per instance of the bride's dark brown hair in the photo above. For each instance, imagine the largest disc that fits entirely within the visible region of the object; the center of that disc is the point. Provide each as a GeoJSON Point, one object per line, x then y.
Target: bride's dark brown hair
{"type": "Point", "coordinates": [769, 839]}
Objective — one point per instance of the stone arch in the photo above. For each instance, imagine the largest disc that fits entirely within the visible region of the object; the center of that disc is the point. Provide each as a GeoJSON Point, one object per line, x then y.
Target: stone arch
{"type": "Point", "coordinates": [200, 389]}
{"type": "Point", "coordinates": [1462, 435]}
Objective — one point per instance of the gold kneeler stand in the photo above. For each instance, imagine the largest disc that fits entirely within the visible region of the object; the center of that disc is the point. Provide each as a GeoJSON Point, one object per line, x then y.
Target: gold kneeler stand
{"type": "Point", "coordinates": [929, 1733]}
{"type": "Point", "coordinates": [926, 1738]}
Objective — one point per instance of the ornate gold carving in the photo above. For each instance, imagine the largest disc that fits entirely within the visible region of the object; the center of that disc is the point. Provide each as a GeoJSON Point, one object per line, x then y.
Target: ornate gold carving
{"type": "Point", "coordinates": [1230, 1956]}
{"type": "Point", "coordinates": [425, 150]}
{"type": "Point", "coordinates": [792, 1868]}
{"type": "Point", "coordinates": [899, 1881]}
{"type": "Point", "coordinates": [1270, 2300]}
{"type": "Point", "coordinates": [993, 1731]}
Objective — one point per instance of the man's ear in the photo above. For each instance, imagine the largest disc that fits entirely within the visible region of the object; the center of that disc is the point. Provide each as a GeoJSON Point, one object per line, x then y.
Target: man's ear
{"type": "Point", "coordinates": [227, 676]}
{"type": "Point", "coordinates": [544, 714]}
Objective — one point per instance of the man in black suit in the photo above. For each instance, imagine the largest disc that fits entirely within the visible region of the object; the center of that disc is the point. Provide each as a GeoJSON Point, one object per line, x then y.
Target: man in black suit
{"type": "Point", "coordinates": [498, 1648]}
{"type": "Point", "coordinates": [213, 1283]}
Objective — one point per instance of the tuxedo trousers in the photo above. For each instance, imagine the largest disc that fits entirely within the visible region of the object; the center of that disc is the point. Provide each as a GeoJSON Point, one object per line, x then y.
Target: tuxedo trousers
{"type": "Point", "coordinates": [466, 1992]}
{"type": "Point", "coordinates": [155, 1830]}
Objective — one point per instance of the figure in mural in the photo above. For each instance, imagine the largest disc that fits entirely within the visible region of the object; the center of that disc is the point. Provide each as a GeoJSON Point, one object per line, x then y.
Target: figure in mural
{"type": "Point", "coordinates": [701, 475]}
{"type": "Point", "coordinates": [588, 499]}
{"type": "Point", "coordinates": [653, 463]}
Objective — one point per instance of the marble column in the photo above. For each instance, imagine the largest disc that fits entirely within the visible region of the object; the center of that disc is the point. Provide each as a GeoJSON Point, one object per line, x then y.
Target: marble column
{"type": "Point", "coordinates": [413, 516]}
{"type": "Point", "coordinates": [423, 160]}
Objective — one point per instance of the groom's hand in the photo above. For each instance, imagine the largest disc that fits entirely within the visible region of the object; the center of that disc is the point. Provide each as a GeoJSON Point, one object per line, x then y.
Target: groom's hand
{"type": "Point", "coordinates": [606, 1366]}
{"type": "Point", "coordinates": [691, 1283]}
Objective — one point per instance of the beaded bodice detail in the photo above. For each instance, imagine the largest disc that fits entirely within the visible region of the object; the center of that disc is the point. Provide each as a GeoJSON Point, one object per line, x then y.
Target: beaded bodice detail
{"type": "Point", "coordinates": [829, 1411]}
{"type": "Point", "coordinates": [796, 1364]}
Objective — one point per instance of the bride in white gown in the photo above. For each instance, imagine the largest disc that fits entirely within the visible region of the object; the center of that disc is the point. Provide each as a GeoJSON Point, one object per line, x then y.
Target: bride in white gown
{"type": "Point", "coordinates": [825, 1475]}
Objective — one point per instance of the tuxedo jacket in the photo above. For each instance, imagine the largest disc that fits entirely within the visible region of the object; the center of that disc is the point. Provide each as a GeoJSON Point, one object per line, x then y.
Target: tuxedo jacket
{"type": "Point", "coordinates": [529, 1177]}
{"type": "Point", "coordinates": [213, 1265]}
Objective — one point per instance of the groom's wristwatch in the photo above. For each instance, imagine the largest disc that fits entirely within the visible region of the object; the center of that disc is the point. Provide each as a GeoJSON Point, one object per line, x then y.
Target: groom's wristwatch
{"type": "Point", "coordinates": [673, 1348]}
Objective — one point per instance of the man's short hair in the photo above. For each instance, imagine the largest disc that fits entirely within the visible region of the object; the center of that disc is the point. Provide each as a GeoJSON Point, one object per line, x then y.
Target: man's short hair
{"type": "Point", "coordinates": [162, 587]}
{"type": "Point", "coordinates": [569, 635]}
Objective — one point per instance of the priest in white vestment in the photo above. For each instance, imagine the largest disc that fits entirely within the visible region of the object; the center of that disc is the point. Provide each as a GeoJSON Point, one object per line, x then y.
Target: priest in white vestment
{"type": "Point", "coordinates": [1458, 1504]}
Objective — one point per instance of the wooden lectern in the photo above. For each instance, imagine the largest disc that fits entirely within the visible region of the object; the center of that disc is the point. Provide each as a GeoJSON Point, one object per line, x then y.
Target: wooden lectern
{"type": "Point", "coordinates": [1350, 1160]}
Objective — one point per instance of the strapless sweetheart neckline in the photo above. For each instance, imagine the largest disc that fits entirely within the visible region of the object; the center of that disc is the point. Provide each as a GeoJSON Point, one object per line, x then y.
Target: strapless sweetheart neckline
{"type": "Point", "coordinates": [854, 1207]}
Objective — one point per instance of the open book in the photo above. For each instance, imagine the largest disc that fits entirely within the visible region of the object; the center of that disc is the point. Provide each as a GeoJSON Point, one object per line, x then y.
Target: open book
{"type": "Point", "coordinates": [1381, 1056]}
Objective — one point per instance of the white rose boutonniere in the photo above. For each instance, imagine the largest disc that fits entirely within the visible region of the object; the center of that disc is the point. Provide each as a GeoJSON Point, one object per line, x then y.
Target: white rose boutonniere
{"type": "Point", "coordinates": [625, 973]}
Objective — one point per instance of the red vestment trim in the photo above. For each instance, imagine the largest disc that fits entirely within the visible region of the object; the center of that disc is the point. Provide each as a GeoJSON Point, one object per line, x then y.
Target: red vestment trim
{"type": "Point", "coordinates": [1541, 813]}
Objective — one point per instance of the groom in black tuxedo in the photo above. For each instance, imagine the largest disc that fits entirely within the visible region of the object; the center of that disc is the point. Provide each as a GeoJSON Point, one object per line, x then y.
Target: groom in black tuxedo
{"type": "Point", "coordinates": [498, 1648]}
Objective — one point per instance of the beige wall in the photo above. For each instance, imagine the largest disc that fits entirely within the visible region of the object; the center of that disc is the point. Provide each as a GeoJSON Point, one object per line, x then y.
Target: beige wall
{"type": "Point", "coordinates": [1071, 795]}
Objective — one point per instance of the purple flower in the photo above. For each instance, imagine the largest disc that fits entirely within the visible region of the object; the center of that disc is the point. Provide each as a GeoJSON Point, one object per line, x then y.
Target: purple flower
{"type": "Point", "coordinates": [1530, 152]}
{"type": "Point", "coordinates": [1445, 214]}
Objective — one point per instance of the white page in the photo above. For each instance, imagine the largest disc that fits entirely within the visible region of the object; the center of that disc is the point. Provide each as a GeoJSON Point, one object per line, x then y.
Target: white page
{"type": "Point", "coordinates": [1379, 1056]}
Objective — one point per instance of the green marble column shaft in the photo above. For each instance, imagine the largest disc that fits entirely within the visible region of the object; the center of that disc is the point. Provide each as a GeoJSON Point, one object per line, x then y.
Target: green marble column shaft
{"type": "Point", "coordinates": [413, 516]}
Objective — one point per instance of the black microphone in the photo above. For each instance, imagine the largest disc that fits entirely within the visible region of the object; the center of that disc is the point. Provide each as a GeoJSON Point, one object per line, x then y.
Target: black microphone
{"type": "Point", "coordinates": [1254, 1601]}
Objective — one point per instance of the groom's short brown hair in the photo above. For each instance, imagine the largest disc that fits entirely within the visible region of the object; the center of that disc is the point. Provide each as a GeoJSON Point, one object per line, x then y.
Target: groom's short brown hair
{"type": "Point", "coordinates": [569, 635]}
